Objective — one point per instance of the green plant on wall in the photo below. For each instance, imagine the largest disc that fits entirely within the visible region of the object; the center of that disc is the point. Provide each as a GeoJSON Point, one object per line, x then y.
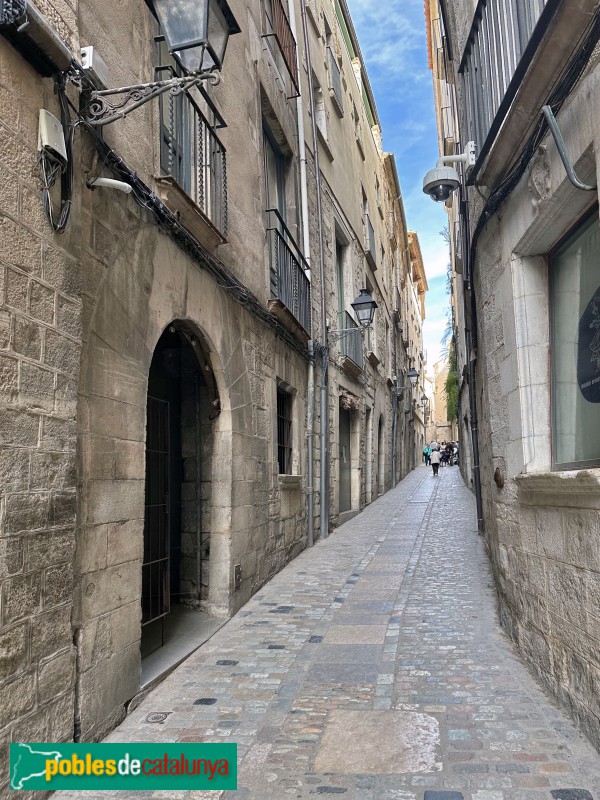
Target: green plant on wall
{"type": "Point", "coordinates": [451, 386]}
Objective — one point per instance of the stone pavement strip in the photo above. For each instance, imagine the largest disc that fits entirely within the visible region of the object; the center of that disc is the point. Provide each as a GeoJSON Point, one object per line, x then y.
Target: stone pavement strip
{"type": "Point", "coordinates": [373, 667]}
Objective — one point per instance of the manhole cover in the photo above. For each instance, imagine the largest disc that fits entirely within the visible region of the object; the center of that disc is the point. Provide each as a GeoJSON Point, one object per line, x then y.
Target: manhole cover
{"type": "Point", "coordinates": [157, 716]}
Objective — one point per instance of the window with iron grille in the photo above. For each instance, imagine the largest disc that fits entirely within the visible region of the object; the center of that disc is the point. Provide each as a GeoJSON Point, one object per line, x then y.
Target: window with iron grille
{"type": "Point", "coordinates": [284, 431]}
{"type": "Point", "coordinates": [190, 151]}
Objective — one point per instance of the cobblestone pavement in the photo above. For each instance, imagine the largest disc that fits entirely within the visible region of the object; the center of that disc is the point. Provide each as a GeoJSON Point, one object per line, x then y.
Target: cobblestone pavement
{"type": "Point", "coordinates": [373, 667]}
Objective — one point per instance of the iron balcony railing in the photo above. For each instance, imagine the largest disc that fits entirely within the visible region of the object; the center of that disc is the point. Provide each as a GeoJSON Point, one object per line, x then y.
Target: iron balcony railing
{"type": "Point", "coordinates": [289, 281]}
{"type": "Point", "coordinates": [278, 26]}
{"type": "Point", "coordinates": [191, 153]}
{"type": "Point", "coordinates": [351, 344]}
{"type": "Point", "coordinates": [335, 81]}
{"type": "Point", "coordinates": [500, 33]}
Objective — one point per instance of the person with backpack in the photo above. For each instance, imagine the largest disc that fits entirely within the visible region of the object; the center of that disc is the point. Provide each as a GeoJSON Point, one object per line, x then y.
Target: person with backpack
{"type": "Point", "coordinates": [435, 461]}
{"type": "Point", "coordinates": [427, 455]}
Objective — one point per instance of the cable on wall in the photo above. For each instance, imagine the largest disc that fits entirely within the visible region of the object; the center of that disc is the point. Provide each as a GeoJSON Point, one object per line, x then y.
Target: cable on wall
{"type": "Point", "coordinates": [50, 168]}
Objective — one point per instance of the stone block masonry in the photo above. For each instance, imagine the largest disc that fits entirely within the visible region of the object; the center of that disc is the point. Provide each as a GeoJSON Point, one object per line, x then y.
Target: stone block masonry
{"type": "Point", "coordinates": [40, 345]}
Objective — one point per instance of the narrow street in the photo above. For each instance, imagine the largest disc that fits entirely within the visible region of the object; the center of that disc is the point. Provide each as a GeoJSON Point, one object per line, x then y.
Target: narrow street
{"type": "Point", "coordinates": [374, 667]}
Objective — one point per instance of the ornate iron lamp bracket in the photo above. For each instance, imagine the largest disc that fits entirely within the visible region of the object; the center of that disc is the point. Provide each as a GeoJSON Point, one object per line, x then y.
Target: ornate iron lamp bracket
{"type": "Point", "coordinates": [100, 110]}
{"type": "Point", "coordinates": [337, 335]}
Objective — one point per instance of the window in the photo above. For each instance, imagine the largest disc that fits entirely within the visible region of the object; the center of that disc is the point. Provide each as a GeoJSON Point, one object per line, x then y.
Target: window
{"type": "Point", "coordinates": [284, 431]}
{"type": "Point", "coordinates": [277, 30]}
{"type": "Point", "coordinates": [371, 338]}
{"type": "Point", "coordinates": [190, 151]}
{"type": "Point", "coordinates": [368, 233]}
{"type": "Point", "coordinates": [575, 315]}
{"type": "Point", "coordinates": [335, 76]}
{"type": "Point", "coordinates": [274, 174]}
{"type": "Point", "coordinates": [388, 349]}
{"type": "Point", "coordinates": [339, 264]}
{"type": "Point", "coordinates": [320, 110]}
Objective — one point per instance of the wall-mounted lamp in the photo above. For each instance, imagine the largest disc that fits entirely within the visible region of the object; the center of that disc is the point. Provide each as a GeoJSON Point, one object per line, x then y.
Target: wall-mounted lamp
{"type": "Point", "coordinates": [196, 33]}
{"type": "Point", "coordinates": [364, 307]}
{"type": "Point", "coordinates": [109, 183]}
{"type": "Point", "coordinates": [413, 377]}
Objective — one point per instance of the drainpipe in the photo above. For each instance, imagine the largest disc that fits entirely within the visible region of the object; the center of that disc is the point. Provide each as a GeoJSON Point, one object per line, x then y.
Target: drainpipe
{"type": "Point", "coordinates": [324, 348]}
{"type": "Point", "coordinates": [310, 411]}
{"type": "Point", "coordinates": [394, 398]}
{"type": "Point", "coordinates": [469, 296]}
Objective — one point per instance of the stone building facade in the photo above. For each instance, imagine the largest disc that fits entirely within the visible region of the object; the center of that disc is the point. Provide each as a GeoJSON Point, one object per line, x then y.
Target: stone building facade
{"type": "Point", "coordinates": [442, 429]}
{"type": "Point", "coordinates": [527, 319]}
{"type": "Point", "coordinates": [161, 358]}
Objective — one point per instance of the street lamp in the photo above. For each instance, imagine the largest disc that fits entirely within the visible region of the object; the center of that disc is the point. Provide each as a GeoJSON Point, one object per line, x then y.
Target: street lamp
{"type": "Point", "coordinates": [196, 33]}
{"type": "Point", "coordinates": [364, 307]}
{"type": "Point", "coordinates": [413, 377]}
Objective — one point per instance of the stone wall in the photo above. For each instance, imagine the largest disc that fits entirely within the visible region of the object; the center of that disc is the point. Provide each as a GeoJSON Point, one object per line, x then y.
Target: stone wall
{"type": "Point", "coordinates": [541, 526]}
{"type": "Point", "coordinates": [40, 341]}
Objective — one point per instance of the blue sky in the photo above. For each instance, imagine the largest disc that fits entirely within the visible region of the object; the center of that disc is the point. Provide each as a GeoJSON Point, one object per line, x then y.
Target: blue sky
{"type": "Point", "coordinates": [393, 43]}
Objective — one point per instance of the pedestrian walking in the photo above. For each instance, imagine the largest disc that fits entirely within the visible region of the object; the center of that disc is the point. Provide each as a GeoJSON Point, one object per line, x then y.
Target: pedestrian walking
{"type": "Point", "coordinates": [427, 455]}
{"type": "Point", "coordinates": [435, 461]}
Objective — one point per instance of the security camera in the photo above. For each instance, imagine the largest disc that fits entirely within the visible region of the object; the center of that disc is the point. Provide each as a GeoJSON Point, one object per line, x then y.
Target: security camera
{"type": "Point", "coordinates": [441, 181]}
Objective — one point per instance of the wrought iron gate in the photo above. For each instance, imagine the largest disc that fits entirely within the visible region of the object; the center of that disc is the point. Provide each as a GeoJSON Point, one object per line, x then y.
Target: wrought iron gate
{"type": "Point", "coordinates": [155, 566]}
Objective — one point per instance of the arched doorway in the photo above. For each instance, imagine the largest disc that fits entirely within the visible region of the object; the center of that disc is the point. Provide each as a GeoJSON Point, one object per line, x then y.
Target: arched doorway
{"type": "Point", "coordinates": [380, 458]}
{"type": "Point", "coordinates": [181, 404]}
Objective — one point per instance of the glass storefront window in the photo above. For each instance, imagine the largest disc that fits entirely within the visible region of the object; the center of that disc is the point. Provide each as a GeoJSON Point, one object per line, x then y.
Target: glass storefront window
{"type": "Point", "coordinates": [575, 291]}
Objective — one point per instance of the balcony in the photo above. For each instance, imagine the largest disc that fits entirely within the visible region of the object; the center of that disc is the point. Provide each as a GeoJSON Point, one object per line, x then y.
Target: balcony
{"type": "Point", "coordinates": [351, 345]}
{"type": "Point", "coordinates": [370, 251]}
{"type": "Point", "coordinates": [278, 27]}
{"type": "Point", "coordinates": [194, 169]}
{"type": "Point", "coordinates": [514, 54]}
{"type": "Point", "coordinates": [335, 83]}
{"type": "Point", "coordinates": [290, 286]}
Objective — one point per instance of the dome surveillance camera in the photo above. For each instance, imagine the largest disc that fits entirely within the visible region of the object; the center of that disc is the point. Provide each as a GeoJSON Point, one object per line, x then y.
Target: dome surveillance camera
{"type": "Point", "coordinates": [442, 180]}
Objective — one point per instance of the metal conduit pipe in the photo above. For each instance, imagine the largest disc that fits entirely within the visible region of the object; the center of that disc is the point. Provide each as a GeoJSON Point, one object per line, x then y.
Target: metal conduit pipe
{"type": "Point", "coordinates": [394, 398]}
{"type": "Point", "coordinates": [562, 151]}
{"type": "Point", "coordinates": [324, 411]}
{"type": "Point", "coordinates": [469, 296]}
{"type": "Point", "coordinates": [310, 401]}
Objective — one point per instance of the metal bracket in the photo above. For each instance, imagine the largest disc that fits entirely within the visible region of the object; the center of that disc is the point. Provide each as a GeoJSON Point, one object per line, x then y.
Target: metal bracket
{"type": "Point", "coordinates": [337, 335]}
{"type": "Point", "coordinates": [562, 151]}
{"type": "Point", "coordinates": [101, 111]}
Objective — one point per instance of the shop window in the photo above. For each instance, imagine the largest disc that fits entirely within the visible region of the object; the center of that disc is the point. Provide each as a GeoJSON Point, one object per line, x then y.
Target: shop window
{"type": "Point", "coordinates": [575, 331]}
